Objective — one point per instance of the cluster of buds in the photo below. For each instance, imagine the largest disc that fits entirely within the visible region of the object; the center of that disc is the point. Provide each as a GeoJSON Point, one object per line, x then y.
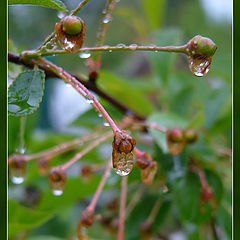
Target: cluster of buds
{"type": "Point", "coordinates": [147, 166]}
{"type": "Point", "coordinates": [177, 137]}
{"type": "Point", "coordinates": [122, 156]}
{"type": "Point", "coordinates": [70, 33]}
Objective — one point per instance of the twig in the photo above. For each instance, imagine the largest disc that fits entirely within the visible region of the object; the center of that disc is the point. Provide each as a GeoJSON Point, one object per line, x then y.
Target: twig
{"type": "Point", "coordinates": [85, 151]}
{"type": "Point", "coordinates": [91, 206]}
{"type": "Point", "coordinates": [48, 38]}
{"type": "Point", "coordinates": [81, 89]}
{"type": "Point", "coordinates": [123, 197]}
{"type": "Point", "coordinates": [81, 4]}
{"type": "Point", "coordinates": [122, 47]}
{"type": "Point", "coordinates": [16, 58]}
{"type": "Point", "coordinates": [153, 125]}
{"type": "Point", "coordinates": [56, 150]}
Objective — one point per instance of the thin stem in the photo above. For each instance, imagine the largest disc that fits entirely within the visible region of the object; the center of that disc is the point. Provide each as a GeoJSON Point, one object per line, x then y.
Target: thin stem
{"type": "Point", "coordinates": [21, 135]}
{"type": "Point", "coordinates": [137, 152]}
{"type": "Point", "coordinates": [110, 5]}
{"type": "Point", "coordinates": [153, 125]}
{"type": "Point", "coordinates": [48, 38]}
{"type": "Point", "coordinates": [81, 4]}
{"type": "Point", "coordinates": [123, 197]}
{"type": "Point", "coordinates": [82, 90]}
{"type": "Point", "coordinates": [56, 150]}
{"type": "Point", "coordinates": [92, 205]}
{"type": "Point", "coordinates": [79, 155]}
{"type": "Point", "coordinates": [179, 49]}
{"type": "Point", "coordinates": [154, 211]}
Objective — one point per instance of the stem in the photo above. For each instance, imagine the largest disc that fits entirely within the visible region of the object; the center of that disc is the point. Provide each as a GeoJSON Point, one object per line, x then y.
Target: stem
{"type": "Point", "coordinates": [56, 150]}
{"type": "Point", "coordinates": [154, 211]}
{"type": "Point", "coordinates": [153, 125]}
{"type": "Point", "coordinates": [65, 166]}
{"type": "Point", "coordinates": [179, 49]}
{"type": "Point", "coordinates": [21, 135]}
{"type": "Point", "coordinates": [213, 228]}
{"type": "Point", "coordinates": [82, 90]}
{"type": "Point", "coordinates": [91, 206]}
{"type": "Point", "coordinates": [48, 38]}
{"type": "Point", "coordinates": [137, 152]}
{"type": "Point", "coordinates": [81, 4]}
{"type": "Point", "coordinates": [110, 5]}
{"type": "Point", "coordinates": [120, 235]}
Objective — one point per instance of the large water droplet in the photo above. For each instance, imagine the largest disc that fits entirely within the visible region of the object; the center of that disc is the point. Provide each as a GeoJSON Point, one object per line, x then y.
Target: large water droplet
{"type": "Point", "coordinates": [125, 164]}
{"type": "Point", "coordinates": [89, 99]}
{"type": "Point", "coordinates": [100, 115]}
{"type": "Point", "coordinates": [61, 14]}
{"type": "Point", "coordinates": [85, 55]}
{"type": "Point", "coordinates": [200, 65]}
{"type": "Point", "coordinates": [17, 180]}
{"type": "Point", "coordinates": [57, 192]}
{"type": "Point", "coordinates": [121, 45]}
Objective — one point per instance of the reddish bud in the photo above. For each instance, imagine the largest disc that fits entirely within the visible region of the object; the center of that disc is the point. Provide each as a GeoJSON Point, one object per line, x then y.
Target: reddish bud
{"type": "Point", "coordinates": [43, 166]}
{"type": "Point", "coordinates": [57, 181]}
{"type": "Point", "coordinates": [87, 218]}
{"type": "Point", "coordinates": [191, 136]}
{"type": "Point", "coordinates": [175, 139]}
{"type": "Point", "coordinates": [17, 169]}
{"type": "Point", "coordinates": [207, 193]}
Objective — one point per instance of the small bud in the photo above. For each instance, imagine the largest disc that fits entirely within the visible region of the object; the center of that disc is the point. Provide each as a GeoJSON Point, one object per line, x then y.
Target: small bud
{"type": "Point", "coordinates": [175, 139]}
{"type": "Point", "coordinates": [122, 156]}
{"type": "Point", "coordinates": [72, 25]}
{"type": "Point", "coordinates": [201, 46]}
{"type": "Point", "coordinates": [144, 160]}
{"type": "Point", "coordinates": [70, 33]}
{"type": "Point", "coordinates": [17, 169]}
{"type": "Point", "coordinates": [57, 181]}
{"type": "Point", "coordinates": [87, 218]}
{"type": "Point", "coordinates": [191, 136]}
{"type": "Point", "coordinates": [207, 193]}
{"type": "Point", "coordinates": [86, 172]}
{"type": "Point", "coordinates": [148, 174]}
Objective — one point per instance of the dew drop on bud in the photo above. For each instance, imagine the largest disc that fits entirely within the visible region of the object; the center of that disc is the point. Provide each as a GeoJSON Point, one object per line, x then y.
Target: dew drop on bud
{"type": "Point", "coordinates": [85, 55]}
{"type": "Point", "coordinates": [125, 164]}
{"type": "Point", "coordinates": [57, 181]}
{"type": "Point", "coordinates": [17, 171]}
{"type": "Point", "coordinates": [200, 65]}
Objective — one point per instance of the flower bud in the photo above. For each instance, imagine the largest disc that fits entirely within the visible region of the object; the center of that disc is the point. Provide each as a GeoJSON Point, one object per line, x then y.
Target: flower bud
{"type": "Point", "coordinates": [201, 46]}
{"type": "Point", "coordinates": [43, 166]}
{"type": "Point", "coordinates": [191, 136]}
{"type": "Point", "coordinates": [86, 172]}
{"type": "Point", "coordinates": [207, 193]}
{"type": "Point", "coordinates": [175, 140]}
{"type": "Point", "coordinates": [87, 218]}
{"type": "Point", "coordinates": [143, 161]}
{"type": "Point", "coordinates": [17, 169]}
{"type": "Point", "coordinates": [70, 33]}
{"type": "Point", "coordinates": [57, 181]}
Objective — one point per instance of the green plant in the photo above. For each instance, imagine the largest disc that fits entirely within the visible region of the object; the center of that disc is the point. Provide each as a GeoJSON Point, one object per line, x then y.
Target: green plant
{"type": "Point", "coordinates": [178, 166]}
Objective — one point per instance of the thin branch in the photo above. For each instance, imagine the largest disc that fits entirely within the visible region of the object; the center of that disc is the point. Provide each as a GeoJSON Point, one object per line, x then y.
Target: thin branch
{"type": "Point", "coordinates": [213, 228]}
{"type": "Point", "coordinates": [81, 89]}
{"type": "Point", "coordinates": [153, 125]}
{"type": "Point", "coordinates": [81, 4]}
{"type": "Point", "coordinates": [122, 47]}
{"type": "Point", "coordinates": [56, 150]}
{"type": "Point", "coordinates": [92, 205]}
{"type": "Point", "coordinates": [48, 38]}
{"type": "Point", "coordinates": [16, 58]}
{"type": "Point", "coordinates": [123, 197]}
{"type": "Point", "coordinates": [79, 155]}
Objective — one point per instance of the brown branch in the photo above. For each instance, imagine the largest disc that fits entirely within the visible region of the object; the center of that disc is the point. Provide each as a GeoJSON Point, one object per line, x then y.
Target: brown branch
{"type": "Point", "coordinates": [16, 58]}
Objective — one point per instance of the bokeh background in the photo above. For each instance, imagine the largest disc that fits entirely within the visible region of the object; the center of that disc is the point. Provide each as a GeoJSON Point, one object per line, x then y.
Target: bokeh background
{"type": "Point", "coordinates": [146, 82]}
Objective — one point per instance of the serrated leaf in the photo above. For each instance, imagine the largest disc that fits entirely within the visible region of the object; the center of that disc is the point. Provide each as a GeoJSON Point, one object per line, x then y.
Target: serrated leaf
{"type": "Point", "coordinates": [166, 120]}
{"type": "Point", "coordinates": [26, 92]}
{"type": "Point", "coordinates": [22, 218]}
{"type": "Point", "coordinates": [55, 4]}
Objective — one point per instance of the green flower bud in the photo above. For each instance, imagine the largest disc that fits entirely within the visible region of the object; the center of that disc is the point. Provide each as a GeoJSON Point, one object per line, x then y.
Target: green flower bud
{"type": "Point", "coordinates": [72, 25]}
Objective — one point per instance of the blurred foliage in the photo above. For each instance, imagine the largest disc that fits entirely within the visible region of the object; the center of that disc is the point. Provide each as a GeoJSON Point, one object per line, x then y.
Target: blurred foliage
{"type": "Point", "coordinates": [157, 85]}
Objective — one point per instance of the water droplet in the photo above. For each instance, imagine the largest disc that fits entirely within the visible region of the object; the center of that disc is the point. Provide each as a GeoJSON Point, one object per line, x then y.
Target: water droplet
{"type": "Point", "coordinates": [106, 124]}
{"type": "Point", "coordinates": [133, 46]}
{"type": "Point", "coordinates": [68, 45]}
{"type": "Point", "coordinates": [17, 180]}
{"type": "Point", "coordinates": [57, 192]}
{"type": "Point", "coordinates": [110, 50]}
{"type": "Point", "coordinates": [124, 164]}
{"type": "Point", "coordinates": [100, 115]}
{"type": "Point", "coordinates": [89, 99]}
{"type": "Point", "coordinates": [121, 45]}
{"type": "Point", "coordinates": [104, 11]}
{"type": "Point", "coordinates": [156, 51]}
{"type": "Point", "coordinates": [85, 55]}
{"type": "Point", "coordinates": [61, 14]}
{"type": "Point", "coordinates": [107, 20]}
{"type": "Point", "coordinates": [68, 85]}
{"type": "Point", "coordinates": [200, 65]}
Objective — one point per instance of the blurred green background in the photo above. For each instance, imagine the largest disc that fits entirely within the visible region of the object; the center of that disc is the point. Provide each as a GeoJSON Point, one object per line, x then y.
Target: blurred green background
{"type": "Point", "coordinates": [156, 85]}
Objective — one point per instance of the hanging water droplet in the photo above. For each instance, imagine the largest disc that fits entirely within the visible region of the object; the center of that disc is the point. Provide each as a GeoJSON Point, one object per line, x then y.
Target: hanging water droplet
{"type": "Point", "coordinates": [61, 14]}
{"type": "Point", "coordinates": [89, 99]}
{"type": "Point", "coordinates": [85, 55]}
{"type": "Point", "coordinates": [21, 149]}
{"type": "Point", "coordinates": [106, 124]}
{"type": "Point", "coordinates": [156, 51]}
{"type": "Point", "coordinates": [68, 45]}
{"type": "Point", "coordinates": [110, 50]}
{"type": "Point", "coordinates": [100, 115]}
{"type": "Point", "coordinates": [57, 192]}
{"type": "Point", "coordinates": [107, 20]}
{"type": "Point", "coordinates": [68, 85]}
{"type": "Point", "coordinates": [200, 65]}
{"type": "Point", "coordinates": [124, 165]}
{"type": "Point", "coordinates": [133, 46]}
{"type": "Point", "coordinates": [17, 180]}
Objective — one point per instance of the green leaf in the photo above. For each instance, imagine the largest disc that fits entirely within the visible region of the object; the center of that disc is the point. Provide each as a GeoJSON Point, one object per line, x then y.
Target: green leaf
{"type": "Point", "coordinates": [45, 237]}
{"type": "Point", "coordinates": [22, 218]}
{"type": "Point", "coordinates": [162, 62]}
{"type": "Point", "coordinates": [56, 4]}
{"type": "Point", "coordinates": [26, 92]}
{"type": "Point", "coordinates": [166, 120]}
{"type": "Point", "coordinates": [154, 10]}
